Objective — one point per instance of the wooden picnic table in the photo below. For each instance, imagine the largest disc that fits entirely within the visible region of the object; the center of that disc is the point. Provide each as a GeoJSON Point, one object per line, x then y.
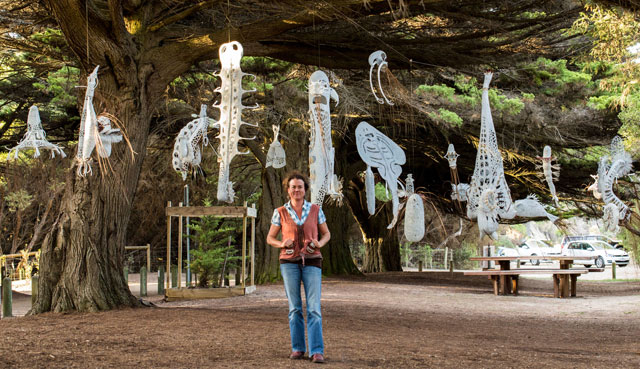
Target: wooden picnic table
{"type": "Point", "coordinates": [506, 280]}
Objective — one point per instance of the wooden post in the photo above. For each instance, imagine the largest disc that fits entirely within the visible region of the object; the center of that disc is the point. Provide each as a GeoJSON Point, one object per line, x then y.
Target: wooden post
{"type": "Point", "coordinates": [244, 245]}
{"type": "Point", "coordinates": [613, 270]}
{"type": "Point", "coordinates": [161, 280]}
{"type": "Point", "coordinates": [143, 281]}
{"type": "Point", "coordinates": [180, 226]}
{"type": "Point", "coordinates": [574, 282]}
{"type": "Point", "coordinates": [419, 265]}
{"type": "Point", "coordinates": [174, 276]}
{"type": "Point", "coordinates": [446, 252]}
{"type": "Point", "coordinates": [34, 288]}
{"type": "Point", "coordinates": [451, 266]}
{"type": "Point", "coordinates": [149, 258]}
{"type": "Point", "coordinates": [168, 246]}
{"type": "Point", "coordinates": [253, 247]}
{"type": "Point", "coordinates": [7, 309]}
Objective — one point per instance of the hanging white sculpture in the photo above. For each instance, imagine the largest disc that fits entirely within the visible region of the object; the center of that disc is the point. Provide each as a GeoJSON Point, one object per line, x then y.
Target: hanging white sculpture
{"type": "Point", "coordinates": [610, 168]}
{"type": "Point", "coordinates": [611, 218]}
{"type": "Point", "coordinates": [231, 107]}
{"type": "Point", "coordinates": [460, 192]}
{"type": "Point", "coordinates": [379, 59]}
{"type": "Point", "coordinates": [35, 138]}
{"type": "Point", "coordinates": [370, 190]}
{"type": "Point", "coordinates": [187, 151]}
{"type": "Point", "coordinates": [377, 150]}
{"type": "Point", "coordinates": [530, 207]}
{"type": "Point", "coordinates": [413, 214]}
{"type": "Point", "coordinates": [550, 172]}
{"type": "Point", "coordinates": [94, 131]}
{"type": "Point", "coordinates": [452, 156]}
{"type": "Point", "coordinates": [276, 156]}
{"type": "Point", "coordinates": [321, 151]}
{"type": "Point", "coordinates": [489, 195]}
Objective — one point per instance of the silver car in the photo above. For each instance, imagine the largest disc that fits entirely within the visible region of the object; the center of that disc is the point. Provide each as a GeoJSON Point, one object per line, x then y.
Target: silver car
{"type": "Point", "coordinates": [604, 253]}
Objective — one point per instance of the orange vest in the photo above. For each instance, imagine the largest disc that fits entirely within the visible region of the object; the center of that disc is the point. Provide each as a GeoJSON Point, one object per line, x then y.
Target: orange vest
{"type": "Point", "coordinates": [301, 235]}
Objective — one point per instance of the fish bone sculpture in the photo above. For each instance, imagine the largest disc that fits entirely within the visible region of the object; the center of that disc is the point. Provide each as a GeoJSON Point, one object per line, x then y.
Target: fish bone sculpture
{"type": "Point", "coordinates": [550, 172]}
{"type": "Point", "coordinates": [231, 108]}
{"type": "Point", "coordinates": [187, 151]}
{"type": "Point", "coordinates": [94, 131]}
{"type": "Point", "coordinates": [321, 151]}
{"type": "Point", "coordinates": [488, 175]}
{"type": "Point", "coordinates": [377, 150]}
{"type": "Point", "coordinates": [35, 138]}
{"type": "Point", "coordinates": [276, 157]}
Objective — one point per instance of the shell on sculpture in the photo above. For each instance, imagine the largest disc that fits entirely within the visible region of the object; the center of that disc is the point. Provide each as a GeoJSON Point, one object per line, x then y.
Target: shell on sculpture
{"type": "Point", "coordinates": [414, 218]}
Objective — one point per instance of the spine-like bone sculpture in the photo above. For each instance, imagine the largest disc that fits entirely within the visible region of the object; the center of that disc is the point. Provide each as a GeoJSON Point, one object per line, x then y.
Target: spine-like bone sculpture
{"type": "Point", "coordinates": [607, 174]}
{"type": "Point", "coordinates": [276, 157]}
{"type": "Point", "coordinates": [321, 151]}
{"type": "Point", "coordinates": [377, 150]}
{"type": "Point", "coordinates": [35, 138]}
{"type": "Point", "coordinates": [413, 214]}
{"type": "Point", "coordinates": [379, 59]}
{"type": "Point", "coordinates": [231, 107]}
{"type": "Point", "coordinates": [187, 151]}
{"type": "Point", "coordinates": [550, 172]}
{"type": "Point", "coordinates": [530, 207]}
{"type": "Point", "coordinates": [488, 175]}
{"type": "Point", "coordinates": [94, 131]}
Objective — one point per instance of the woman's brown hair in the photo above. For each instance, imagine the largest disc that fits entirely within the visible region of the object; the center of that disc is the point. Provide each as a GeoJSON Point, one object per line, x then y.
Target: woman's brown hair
{"type": "Point", "coordinates": [294, 174]}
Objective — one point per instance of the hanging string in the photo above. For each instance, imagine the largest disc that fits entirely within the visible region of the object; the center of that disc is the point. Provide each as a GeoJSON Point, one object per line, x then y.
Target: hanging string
{"type": "Point", "coordinates": [228, 21]}
{"type": "Point", "coordinates": [86, 18]}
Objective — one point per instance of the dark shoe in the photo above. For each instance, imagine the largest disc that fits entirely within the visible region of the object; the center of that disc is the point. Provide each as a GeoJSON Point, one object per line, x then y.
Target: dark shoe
{"type": "Point", "coordinates": [317, 358]}
{"type": "Point", "coordinates": [296, 355]}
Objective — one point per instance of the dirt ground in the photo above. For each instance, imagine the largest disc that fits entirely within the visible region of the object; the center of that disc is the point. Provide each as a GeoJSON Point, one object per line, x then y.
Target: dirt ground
{"type": "Point", "coordinates": [391, 320]}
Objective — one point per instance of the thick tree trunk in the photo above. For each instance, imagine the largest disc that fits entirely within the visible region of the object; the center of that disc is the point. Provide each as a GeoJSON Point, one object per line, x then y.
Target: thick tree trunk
{"type": "Point", "coordinates": [382, 248]}
{"type": "Point", "coordinates": [82, 258]}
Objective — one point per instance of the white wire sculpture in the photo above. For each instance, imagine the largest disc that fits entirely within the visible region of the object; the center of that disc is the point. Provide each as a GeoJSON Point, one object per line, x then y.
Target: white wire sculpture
{"type": "Point", "coordinates": [530, 207]}
{"type": "Point", "coordinates": [35, 138]}
{"type": "Point", "coordinates": [94, 131]}
{"type": "Point", "coordinates": [550, 172]}
{"type": "Point", "coordinates": [452, 156]}
{"type": "Point", "coordinates": [489, 195]}
{"type": "Point", "coordinates": [611, 218]}
{"type": "Point", "coordinates": [187, 151]}
{"type": "Point", "coordinates": [460, 192]}
{"type": "Point", "coordinates": [230, 107]}
{"type": "Point", "coordinates": [413, 214]}
{"type": "Point", "coordinates": [379, 151]}
{"type": "Point", "coordinates": [321, 152]}
{"type": "Point", "coordinates": [379, 59]}
{"type": "Point", "coordinates": [276, 157]}
{"type": "Point", "coordinates": [610, 168]}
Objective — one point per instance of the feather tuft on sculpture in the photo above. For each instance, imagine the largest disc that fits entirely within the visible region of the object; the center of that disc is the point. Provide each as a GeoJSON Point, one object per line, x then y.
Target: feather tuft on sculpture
{"type": "Point", "coordinates": [35, 138]}
{"type": "Point", "coordinates": [379, 151]}
{"type": "Point", "coordinates": [94, 131]}
{"type": "Point", "coordinates": [231, 107]}
{"type": "Point", "coordinates": [324, 182]}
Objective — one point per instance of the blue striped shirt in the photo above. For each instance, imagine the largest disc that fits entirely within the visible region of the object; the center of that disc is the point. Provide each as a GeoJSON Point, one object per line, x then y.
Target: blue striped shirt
{"type": "Point", "coordinates": [306, 208]}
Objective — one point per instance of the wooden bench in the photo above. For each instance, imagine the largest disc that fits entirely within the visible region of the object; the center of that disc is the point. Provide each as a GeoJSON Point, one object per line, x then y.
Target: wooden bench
{"type": "Point", "coordinates": [506, 281]}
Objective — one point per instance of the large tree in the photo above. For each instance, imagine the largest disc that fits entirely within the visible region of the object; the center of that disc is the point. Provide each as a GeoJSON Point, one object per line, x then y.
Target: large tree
{"type": "Point", "coordinates": [143, 46]}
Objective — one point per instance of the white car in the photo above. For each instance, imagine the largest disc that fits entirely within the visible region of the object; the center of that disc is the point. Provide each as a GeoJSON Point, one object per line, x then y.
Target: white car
{"type": "Point", "coordinates": [606, 254]}
{"type": "Point", "coordinates": [536, 248]}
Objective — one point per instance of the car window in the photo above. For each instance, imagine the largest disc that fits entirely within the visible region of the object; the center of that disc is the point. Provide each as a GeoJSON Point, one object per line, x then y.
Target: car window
{"type": "Point", "coordinates": [573, 246]}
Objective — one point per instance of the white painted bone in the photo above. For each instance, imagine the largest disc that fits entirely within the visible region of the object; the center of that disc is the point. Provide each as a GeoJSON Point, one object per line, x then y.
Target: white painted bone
{"type": "Point", "coordinates": [94, 131]}
{"type": "Point", "coordinates": [550, 172]}
{"type": "Point", "coordinates": [323, 179]}
{"type": "Point", "coordinates": [276, 157]}
{"type": "Point", "coordinates": [378, 150]}
{"type": "Point", "coordinates": [378, 58]}
{"type": "Point", "coordinates": [187, 151]}
{"type": "Point", "coordinates": [35, 138]}
{"type": "Point", "coordinates": [230, 107]}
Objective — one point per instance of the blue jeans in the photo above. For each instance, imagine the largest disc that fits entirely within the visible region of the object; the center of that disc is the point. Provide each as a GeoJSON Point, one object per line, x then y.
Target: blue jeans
{"type": "Point", "coordinates": [311, 277]}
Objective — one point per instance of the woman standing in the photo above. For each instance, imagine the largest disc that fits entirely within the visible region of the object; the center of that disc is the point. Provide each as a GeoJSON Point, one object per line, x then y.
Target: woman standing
{"type": "Point", "coordinates": [301, 261]}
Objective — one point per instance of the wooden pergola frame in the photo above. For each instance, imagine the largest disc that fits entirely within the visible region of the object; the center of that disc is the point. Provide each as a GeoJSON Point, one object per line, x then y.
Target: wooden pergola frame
{"type": "Point", "coordinates": [180, 211]}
